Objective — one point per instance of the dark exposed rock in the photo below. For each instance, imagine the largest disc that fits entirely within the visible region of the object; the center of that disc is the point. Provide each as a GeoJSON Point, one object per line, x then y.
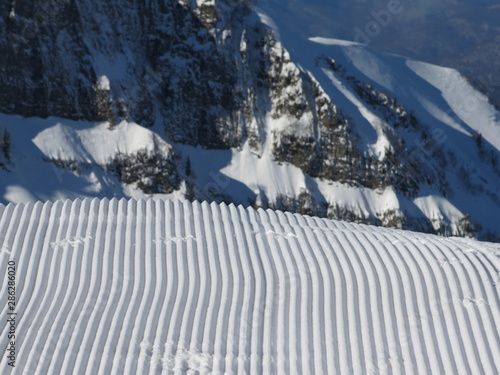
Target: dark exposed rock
{"type": "Point", "coordinates": [153, 173]}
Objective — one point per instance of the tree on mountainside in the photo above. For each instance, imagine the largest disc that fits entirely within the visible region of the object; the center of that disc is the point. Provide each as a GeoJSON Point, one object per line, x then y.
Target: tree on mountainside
{"type": "Point", "coordinates": [5, 144]}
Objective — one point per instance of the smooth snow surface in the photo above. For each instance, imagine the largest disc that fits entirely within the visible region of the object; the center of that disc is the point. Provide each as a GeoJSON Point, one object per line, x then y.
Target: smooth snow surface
{"type": "Point", "coordinates": [153, 286]}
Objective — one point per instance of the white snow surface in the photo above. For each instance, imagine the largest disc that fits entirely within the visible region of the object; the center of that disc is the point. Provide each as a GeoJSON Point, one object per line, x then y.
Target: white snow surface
{"type": "Point", "coordinates": [165, 286]}
{"type": "Point", "coordinates": [36, 141]}
{"type": "Point", "coordinates": [96, 143]}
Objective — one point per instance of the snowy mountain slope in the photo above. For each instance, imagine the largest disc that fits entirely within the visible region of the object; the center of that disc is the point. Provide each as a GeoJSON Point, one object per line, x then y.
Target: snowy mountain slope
{"type": "Point", "coordinates": [153, 286]}
{"type": "Point", "coordinates": [59, 158]}
{"type": "Point", "coordinates": [218, 101]}
{"type": "Point", "coordinates": [442, 117]}
{"type": "Point", "coordinates": [458, 34]}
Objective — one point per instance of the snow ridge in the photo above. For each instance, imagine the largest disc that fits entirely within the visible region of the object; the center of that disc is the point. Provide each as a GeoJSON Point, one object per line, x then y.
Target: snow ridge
{"type": "Point", "coordinates": [165, 286]}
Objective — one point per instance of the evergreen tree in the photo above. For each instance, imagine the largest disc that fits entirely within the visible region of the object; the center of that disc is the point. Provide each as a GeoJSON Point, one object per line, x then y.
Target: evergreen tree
{"type": "Point", "coordinates": [188, 167]}
{"type": "Point", "coordinates": [5, 144]}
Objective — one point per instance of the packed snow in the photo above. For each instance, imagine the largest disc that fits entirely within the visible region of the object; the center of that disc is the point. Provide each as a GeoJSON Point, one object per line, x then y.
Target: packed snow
{"type": "Point", "coordinates": [171, 287]}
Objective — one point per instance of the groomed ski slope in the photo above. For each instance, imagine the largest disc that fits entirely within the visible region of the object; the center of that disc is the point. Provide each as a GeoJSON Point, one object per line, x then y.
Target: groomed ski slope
{"type": "Point", "coordinates": [153, 286]}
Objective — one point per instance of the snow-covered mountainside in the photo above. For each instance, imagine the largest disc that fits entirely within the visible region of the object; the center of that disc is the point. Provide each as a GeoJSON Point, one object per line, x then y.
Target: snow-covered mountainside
{"type": "Point", "coordinates": [461, 34]}
{"type": "Point", "coordinates": [215, 100]}
{"type": "Point", "coordinates": [153, 286]}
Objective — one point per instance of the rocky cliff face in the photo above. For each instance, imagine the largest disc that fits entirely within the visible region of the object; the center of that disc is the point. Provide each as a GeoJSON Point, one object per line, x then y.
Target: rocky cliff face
{"type": "Point", "coordinates": [202, 70]}
{"type": "Point", "coordinates": [215, 75]}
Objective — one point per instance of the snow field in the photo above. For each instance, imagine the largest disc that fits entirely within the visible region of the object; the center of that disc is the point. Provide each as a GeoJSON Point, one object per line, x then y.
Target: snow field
{"type": "Point", "coordinates": [171, 287]}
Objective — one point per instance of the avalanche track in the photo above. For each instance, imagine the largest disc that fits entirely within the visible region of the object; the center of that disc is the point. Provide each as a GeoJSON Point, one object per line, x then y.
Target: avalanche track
{"type": "Point", "coordinates": [152, 286]}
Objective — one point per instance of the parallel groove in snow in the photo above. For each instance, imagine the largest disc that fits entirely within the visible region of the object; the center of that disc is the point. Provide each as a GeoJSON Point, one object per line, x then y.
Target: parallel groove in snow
{"type": "Point", "coordinates": [170, 287]}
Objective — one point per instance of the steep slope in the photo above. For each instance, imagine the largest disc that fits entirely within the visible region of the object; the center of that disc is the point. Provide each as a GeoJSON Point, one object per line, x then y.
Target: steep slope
{"type": "Point", "coordinates": [457, 34]}
{"type": "Point", "coordinates": [237, 108]}
{"type": "Point", "coordinates": [152, 286]}
{"type": "Point", "coordinates": [183, 65]}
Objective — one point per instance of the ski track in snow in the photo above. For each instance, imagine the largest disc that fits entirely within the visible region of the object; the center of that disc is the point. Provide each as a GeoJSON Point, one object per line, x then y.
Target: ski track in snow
{"type": "Point", "coordinates": [171, 287]}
